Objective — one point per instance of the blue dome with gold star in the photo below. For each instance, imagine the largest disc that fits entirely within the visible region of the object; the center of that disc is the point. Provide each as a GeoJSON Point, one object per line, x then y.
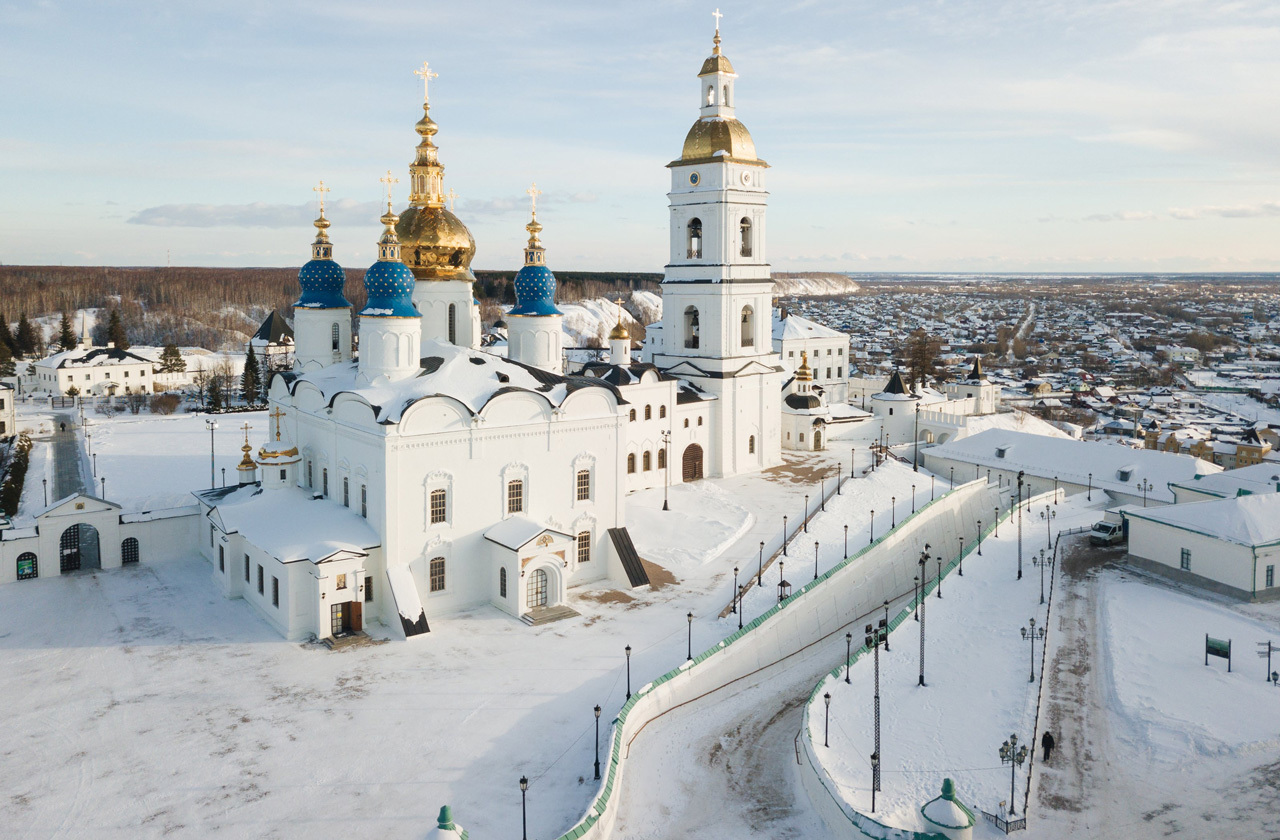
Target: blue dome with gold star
{"type": "Point", "coordinates": [322, 279]}
{"type": "Point", "coordinates": [388, 283]}
{"type": "Point", "coordinates": [535, 284]}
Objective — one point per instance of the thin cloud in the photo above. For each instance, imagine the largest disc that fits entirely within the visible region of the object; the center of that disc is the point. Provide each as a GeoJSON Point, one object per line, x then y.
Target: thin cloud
{"type": "Point", "coordinates": [1238, 211]}
{"type": "Point", "coordinates": [1124, 216]}
{"type": "Point", "coordinates": [258, 214]}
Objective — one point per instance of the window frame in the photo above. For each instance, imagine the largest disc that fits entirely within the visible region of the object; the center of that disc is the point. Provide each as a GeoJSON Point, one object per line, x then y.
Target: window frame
{"type": "Point", "coordinates": [515, 496]}
{"type": "Point", "coordinates": [583, 542]}
{"type": "Point", "coordinates": [437, 580]}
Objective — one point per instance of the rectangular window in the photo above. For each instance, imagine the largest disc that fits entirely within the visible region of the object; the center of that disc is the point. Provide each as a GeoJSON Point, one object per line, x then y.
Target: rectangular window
{"type": "Point", "coordinates": [340, 582]}
{"type": "Point", "coordinates": [368, 589]}
{"type": "Point", "coordinates": [284, 474]}
{"type": "Point", "coordinates": [275, 591]}
{"type": "Point", "coordinates": [584, 485]}
{"type": "Point", "coordinates": [839, 372]}
{"type": "Point", "coordinates": [1271, 576]}
{"type": "Point", "coordinates": [584, 547]}
{"type": "Point", "coordinates": [1186, 560]}
{"type": "Point", "coordinates": [310, 479]}
{"type": "Point", "coordinates": [222, 560]}
{"type": "Point", "coordinates": [346, 492]}
{"type": "Point", "coordinates": [211, 536]}
{"type": "Point", "coordinates": [440, 505]}
{"type": "Point", "coordinates": [246, 568]}
{"type": "Point", "coordinates": [437, 574]}
{"type": "Point", "coordinates": [828, 373]}
{"type": "Point", "coordinates": [515, 496]}
{"type": "Point", "coordinates": [364, 501]}
{"type": "Point", "coordinates": [261, 587]}
{"type": "Point", "coordinates": [324, 476]}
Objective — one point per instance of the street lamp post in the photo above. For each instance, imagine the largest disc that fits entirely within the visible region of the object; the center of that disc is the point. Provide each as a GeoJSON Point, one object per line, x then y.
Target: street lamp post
{"type": "Point", "coordinates": [979, 537]}
{"type": "Point", "coordinates": [597, 743]}
{"type": "Point", "coordinates": [848, 656]}
{"type": "Point", "coordinates": [826, 732]}
{"type": "Point", "coordinates": [1055, 489]}
{"type": "Point", "coordinates": [874, 635]}
{"type": "Point", "coordinates": [1145, 485]}
{"type": "Point", "coordinates": [893, 512]}
{"type": "Point", "coordinates": [104, 486]}
{"type": "Point", "coordinates": [1031, 633]}
{"type": "Point", "coordinates": [1040, 563]}
{"type": "Point", "coordinates": [1048, 515]}
{"type": "Point", "coordinates": [822, 497]}
{"type": "Point", "coordinates": [784, 535]}
{"type": "Point", "coordinates": [915, 454]}
{"type": "Point", "coordinates": [815, 559]}
{"type": "Point", "coordinates": [913, 498]}
{"type": "Point", "coordinates": [690, 618]}
{"type": "Point", "coordinates": [211, 425]}
{"type": "Point", "coordinates": [937, 590]}
{"type": "Point", "coordinates": [933, 480]}
{"type": "Point", "coordinates": [846, 541]}
{"type": "Point", "coordinates": [960, 557]}
{"type": "Point", "coordinates": [1089, 495]}
{"type": "Point", "coordinates": [666, 479]}
{"type": "Point", "coordinates": [875, 774]}
{"type": "Point", "coordinates": [915, 589]}
{"type": "Point", "coordinates": [886, 624]}
{"type": "Point", "coordinates": [734, 608]}
{"type": "Point", "coordinates": [524, 819]}
{"type": "Point", "coordinates": [953, 478]}
{"type": "Point", "coordinates": [806, 513]}
{"type": "Point", "coordinates": [95, 463]}
{"type": "Point", "coordinates": [760, 566]}
{"type": "Point", "coordinates": [628, 672]}
{"type": "Point", "coordinates": [45, 482]}
{"type": "Point", "coordinates": [1013, 755]}
{"type": "Point", "coordinates": [1019, 524]}
{"type": "Point", "coordinates": [839, 473]}
{"type": "Point", "coordinates": [924, 579]}
{"type": "Point", "coordinates": [996, 519]}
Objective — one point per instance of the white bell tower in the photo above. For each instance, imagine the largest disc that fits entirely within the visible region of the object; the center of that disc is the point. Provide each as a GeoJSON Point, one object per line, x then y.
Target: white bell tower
{"type": "Point", "coordinates": [717, 291]}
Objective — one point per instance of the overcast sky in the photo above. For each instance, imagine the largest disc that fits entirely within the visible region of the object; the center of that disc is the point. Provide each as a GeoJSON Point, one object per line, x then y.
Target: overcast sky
{"type": "Point", "coordinates": [973, 135]}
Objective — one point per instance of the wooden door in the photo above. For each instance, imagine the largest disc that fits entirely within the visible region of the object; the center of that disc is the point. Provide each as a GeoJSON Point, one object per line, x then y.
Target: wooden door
{"type": "Point", "coordinates": [692, 463]}
{"type": "Point", "coordinates": [356, 610]}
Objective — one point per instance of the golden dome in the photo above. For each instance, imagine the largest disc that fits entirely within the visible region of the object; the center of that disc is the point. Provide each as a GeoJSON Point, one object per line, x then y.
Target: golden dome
{"type": "Point", "coordinates": [435, 244]}
{"type": "Point", "coordinates": [719, 134]}
{"type": "Point", "coordinates": [619, 333]}
{"type": "Point", "coordinates": [716, 64]}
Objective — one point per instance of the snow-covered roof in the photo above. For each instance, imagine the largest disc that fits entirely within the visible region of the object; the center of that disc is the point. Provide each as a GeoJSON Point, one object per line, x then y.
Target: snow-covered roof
{"type": "Point", "coordinates": [470, 377]}
{"type": "Point", "coordinates": [1258, 478]}
{"type": "Point", "coordinates": [289, 523]}
{"type": "Point", "coordinates": [516, 532]}
{"type": "Point", "coordinates": [1116, 469]}
{"type": "Point", "coordinates": [1252, 521]}
{"type": "Point", "coordinates": [794, 327]}
{"type": "Point", "coordinates": [93, 357]}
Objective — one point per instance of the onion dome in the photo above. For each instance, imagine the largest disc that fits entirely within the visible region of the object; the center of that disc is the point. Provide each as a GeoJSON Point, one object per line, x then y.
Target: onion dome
{"type": "Point", "coordinates": [718, 135]}
{"type": "Point", "coordinates": [804, 373]}
{"type": "Point", "coordinates": [435, 243]}
{"type": "Point", "coordinates": [389, 282]}
{"type": "Point", "coordinates": [535, 284]}
{"type": "Point", "coordinates": [803, 402]}
{"type": "Point", "coordinates": [321, 278]}
{"type": "Point", "coordinates": [619, 333]}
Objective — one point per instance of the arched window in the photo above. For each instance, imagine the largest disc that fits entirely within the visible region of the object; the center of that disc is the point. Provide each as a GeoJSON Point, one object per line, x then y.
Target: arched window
{"type": "Point", "coordinates": [695, 239]}
{"type": "Point", "coordinates": [751, 445]}
{"type": "Point", "coordinates": [129, 551]}
{"type": "Point", "coordinates": [453, 323]}
{"type": "Point", "coordinates": [711, 94]}
{"type": "Point", "coordinates": [631, 463]}
{"type": "Point", "coordinates": [648, 412]}
{"type": "Point", "coordinates": [633, 415]}
{"type": "Point", "coordinates": [662, 459]}
{"type": "Point", "coordinates": [584, 546]}
{"type": "Point", "coordinates": [28, 566]}
{"type": "Point", "coordinates": [662, 411]}
{"type": "Point", "coordinates": [724, 100]}
{"type": "Point", "coordinates": [437, 574]}
{"type": "Point", "coordinates": [439, 506]}
{"type": "Point", "coordinates": [748, 326]}
{"type": "Point", "coordinates": [691, 327]}
{"type": "Point", "coordinates": [515, 496]}
{"type": "Point", "coordinates": [647, 459]}
{"type": "Point", "coordinates": [584, 485]}
{"type": "Point", "coordinates": [744, 227]}
{"type": "Point", "coordinates": [537, 594]}
{"type": "Point", "coordinates": [699, 419]}
{"type": "Point", "coordinates": [502, 582]}
{"type": "Point", "coordinates": [335, 334]}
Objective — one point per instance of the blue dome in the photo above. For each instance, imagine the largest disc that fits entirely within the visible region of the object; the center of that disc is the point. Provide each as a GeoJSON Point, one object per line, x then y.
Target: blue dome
{"type": "Point", "coordinates": [389, 286]}
{"type": "Point", "coordinates": [322, 282]}
{"type": "Point", "coordinates": [535, 291]}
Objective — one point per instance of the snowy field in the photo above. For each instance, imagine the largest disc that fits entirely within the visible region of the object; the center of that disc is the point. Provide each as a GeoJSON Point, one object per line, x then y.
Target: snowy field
{"type": "Point", "coordinates": [977, 689]}
{"type": "Point", "coordinates": [148, 700]}
{"type": "Point", "coordinates": [1243, 406]}
{"type": "Point", "coordinates": [152, 462]}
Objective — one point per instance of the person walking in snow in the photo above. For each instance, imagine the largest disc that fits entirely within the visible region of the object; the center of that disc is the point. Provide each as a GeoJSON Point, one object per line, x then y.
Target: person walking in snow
{"type": "Point", "coordinates": [1046, 743]}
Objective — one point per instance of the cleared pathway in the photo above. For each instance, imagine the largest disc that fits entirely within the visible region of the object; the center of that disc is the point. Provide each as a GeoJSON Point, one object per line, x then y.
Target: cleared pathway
{"type": "Point", "coordinates": [65, 448]}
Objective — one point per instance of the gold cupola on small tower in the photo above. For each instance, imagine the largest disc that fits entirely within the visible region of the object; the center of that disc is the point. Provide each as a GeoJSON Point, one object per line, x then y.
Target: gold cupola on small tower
{"type": "Point", "coordinates": [434, 243]}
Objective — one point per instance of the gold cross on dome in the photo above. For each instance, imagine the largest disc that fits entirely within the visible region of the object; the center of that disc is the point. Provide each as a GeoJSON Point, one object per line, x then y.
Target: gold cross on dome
{"type": "Point", "coordinates": [716, 14]}
{"type": "Point", "coordinates": [452, 196]}
{"type": "Point", "coordinates": [426, 74]}
{"type": "Point", "coordinates": [276, 415]}
{"type": "Point", "coordinates": [246, 428]}
{"type": "Point", "coordinates": [320, 189]}
{"type": "Point", "coordinates": [533, 193]}
{"type": "Point", "coordinates": [388, 180]}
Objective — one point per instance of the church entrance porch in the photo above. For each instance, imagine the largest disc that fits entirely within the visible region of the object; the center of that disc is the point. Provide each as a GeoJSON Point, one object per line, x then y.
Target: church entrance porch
{"type": "Point", "coordinates": [537, 589]}
{"type": "Point", "coordinates": [78, 549]}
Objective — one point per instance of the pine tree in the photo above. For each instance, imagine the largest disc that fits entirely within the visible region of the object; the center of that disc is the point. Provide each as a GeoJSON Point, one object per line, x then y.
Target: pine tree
{"type": "Point", "coordinates": [26, 337]}
{"type": "Point", "coordinates": [66, 335]}
{"type": "Point", "coordinates": [171, 360]}
{"type": "Point", "coordinates": [250, 380]}
{"type": "Point", "coordinates": [115, 331]}
{"type": "Point", "coordinates": [7, 366]}
{"type": "Point", "coordinates": [215, 393]}
{"type": "Point", "coordinates": [6, 335]}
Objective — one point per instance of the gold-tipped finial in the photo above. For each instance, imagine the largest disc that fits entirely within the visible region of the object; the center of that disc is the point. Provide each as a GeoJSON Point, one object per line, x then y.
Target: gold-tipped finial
{"type": "Point", "coordinates": [276, 415]}
{"type": "Point", "coordinates": [388, 180]}
{"type": "Point", "coordinates": [320, 189]}
{"type": "Point", "coordinates": [452, 197]}
{"type": "Point", "coordinates": [426, 74]}
{"type": "Point", "coordinates": [321, 223]}
{"type": "Point", "coordinates": [246, 462]}
{"type": "Point", "coordinates": [533, 192]}
{"type": "Point", "coordinates": [716, 14]}
{"type": "Point", "coordinates": [619, 332]}
{"type": "Point", "coordinates": [803, 373]}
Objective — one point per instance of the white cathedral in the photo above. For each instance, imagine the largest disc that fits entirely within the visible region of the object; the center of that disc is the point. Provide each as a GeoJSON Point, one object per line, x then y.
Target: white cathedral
{"type": "Point", "coordinates": [429, 476]}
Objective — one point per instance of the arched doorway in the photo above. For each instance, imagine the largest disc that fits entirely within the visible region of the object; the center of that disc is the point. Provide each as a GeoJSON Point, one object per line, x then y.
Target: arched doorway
{"type": "Point", "coordinates": [78, 549]}
{"type": "Point", "coordinates": [692, 462]}
{"type": "Point", "coordinates": [129, 551]}
{"type": "Point", "coordinates": [817, 439]}
{"type": "Point", "coordinates": [537, 589]}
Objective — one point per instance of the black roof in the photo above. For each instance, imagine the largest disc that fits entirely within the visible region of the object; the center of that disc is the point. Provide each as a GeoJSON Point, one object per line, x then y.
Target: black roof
{"type": "Point", "coordinates": [275, 330]}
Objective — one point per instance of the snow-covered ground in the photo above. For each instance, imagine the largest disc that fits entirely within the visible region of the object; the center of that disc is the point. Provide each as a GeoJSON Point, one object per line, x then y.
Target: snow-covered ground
{"type": "Point", "coordinates": [153, 461]}
{"type": "Point", "coordinates": [977, 689]}
{"type": "Point", "coordinates": [147, 699]}
{"type": "Point", "coordinates": [1242, 405]}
